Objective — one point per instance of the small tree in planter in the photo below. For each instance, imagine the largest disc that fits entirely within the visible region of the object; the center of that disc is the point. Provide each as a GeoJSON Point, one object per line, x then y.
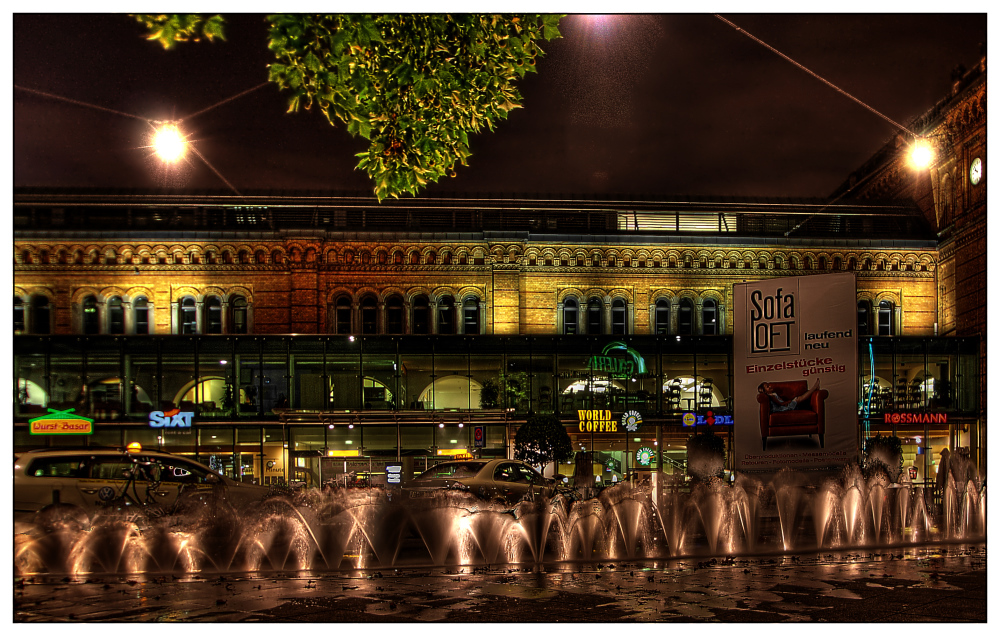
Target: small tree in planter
{"type": "Point", "coordinates": [706, 456]}
{"type": "Point", "coordinates": [489, 395]}
{"type": "Point", "coordinates": [542, 439]}
{"type": "Point", "coordinates": [885, 453]}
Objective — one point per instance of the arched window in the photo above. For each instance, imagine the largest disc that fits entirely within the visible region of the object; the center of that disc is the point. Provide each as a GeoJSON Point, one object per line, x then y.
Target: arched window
{"type": "Point", "coordinates": [394, 315]}
{"type": "Point", "coordinates": [40, 314]}
{"type": "Point", "coordinates": [571, 316]}
{"type": "Point", "coordinates": [369, 315]}
{"type": "Point", "coordinates": [421, 319]}
{"type": "Point", "coordinates": [886, 324]}
{"type": "Point", "coordinates": [446, 315]}
{"type": "Point", "coordinates": [709, 317]}
{"type": "Point", "coordinates": [116, 315]}
{"type": "Point", "coordinates": [213, 315]}
{"type": "Point", "coordinates": [343, 315]}
{"type": "Point", "coordinates": [470, 314]}
{"type": "Point", "coordinates": [685, 315]}
{"type": "Point", "coordinates": [240, 323]}
{"type": "Point", "coordinates": [91, 319]}
{"type": "Point", "coordinates": [595, 316]}
{"type": "Point", "coordinates": [661, 317]}
{"type": "Point", "coordinates": [864, 318]}
{"type": "Point", "coordinates": [619, 319]}
{"type": "Point", "coordinates": [18, 315]}
{"type": "Point", "coordinates": [140, 307]}
{"type": "Point", "coordinates": [187, 315]}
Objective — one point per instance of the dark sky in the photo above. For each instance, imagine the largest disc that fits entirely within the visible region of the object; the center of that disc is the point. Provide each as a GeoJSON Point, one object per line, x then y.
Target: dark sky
{"type": "Point", "coordinates": [636, 105]}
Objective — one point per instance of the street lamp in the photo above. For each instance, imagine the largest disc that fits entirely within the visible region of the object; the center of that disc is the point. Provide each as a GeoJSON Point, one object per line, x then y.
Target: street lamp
{"type": "Point", "coordinates": [168, 143]}
{"type": "Point", "coordinates": [921, 153]}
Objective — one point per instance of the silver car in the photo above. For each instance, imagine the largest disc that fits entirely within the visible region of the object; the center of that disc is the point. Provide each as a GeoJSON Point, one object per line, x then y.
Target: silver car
{"type": "Point", "coordinates": [97, 480]}
{"type": "Point", "coordinates": [505, 480]}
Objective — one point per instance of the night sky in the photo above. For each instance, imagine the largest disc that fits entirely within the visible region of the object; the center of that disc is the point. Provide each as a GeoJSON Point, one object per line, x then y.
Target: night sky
{"type": "Point", "coordinates": [637, 105]}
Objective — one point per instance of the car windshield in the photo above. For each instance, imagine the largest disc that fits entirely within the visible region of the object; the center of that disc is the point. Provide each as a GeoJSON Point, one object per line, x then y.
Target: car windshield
{"type": "Point", "coordinates": [453, 470]}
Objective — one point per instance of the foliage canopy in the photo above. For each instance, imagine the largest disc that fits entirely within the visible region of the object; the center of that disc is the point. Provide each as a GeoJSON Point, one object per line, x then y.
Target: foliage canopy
{"type": "Point", "coordinates": [414, 86]}
{"type": "Point", "coordinates": [542, 439]}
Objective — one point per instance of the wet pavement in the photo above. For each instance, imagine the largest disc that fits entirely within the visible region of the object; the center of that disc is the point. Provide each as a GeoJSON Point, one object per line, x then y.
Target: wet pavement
{"type": "Point", "coordinates": [938, 583]}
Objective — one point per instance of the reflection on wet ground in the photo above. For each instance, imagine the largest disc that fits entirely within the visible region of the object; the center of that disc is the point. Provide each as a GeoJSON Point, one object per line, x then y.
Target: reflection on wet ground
{"type": "Point", "coordinates": [944, 583]}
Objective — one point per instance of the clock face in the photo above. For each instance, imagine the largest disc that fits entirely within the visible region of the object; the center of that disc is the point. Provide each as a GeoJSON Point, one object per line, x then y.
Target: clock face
{"type": "Point", "coordinates": [976, 171]}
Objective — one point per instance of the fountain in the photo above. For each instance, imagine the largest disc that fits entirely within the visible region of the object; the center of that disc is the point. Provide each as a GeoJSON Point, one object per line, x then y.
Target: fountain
{"type": "Point", "coordinates": [362, 529]}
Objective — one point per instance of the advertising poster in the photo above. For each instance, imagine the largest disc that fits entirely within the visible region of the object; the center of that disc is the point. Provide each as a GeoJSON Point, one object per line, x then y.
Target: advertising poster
{"type": "Point", "coordinates": [795, 372]}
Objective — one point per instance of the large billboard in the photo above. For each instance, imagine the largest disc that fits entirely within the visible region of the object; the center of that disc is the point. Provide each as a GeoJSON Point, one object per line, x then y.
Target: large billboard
{"type": "Point", "coordinates": [795, 353]}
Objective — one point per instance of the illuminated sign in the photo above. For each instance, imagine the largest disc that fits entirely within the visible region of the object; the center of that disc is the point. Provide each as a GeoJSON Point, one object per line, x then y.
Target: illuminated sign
{"type": "Point", "coordinates": [644, 456]}
{"type": "Point", "coordinates": [597, 421]}
{"type": "Point", "coordinates": [632, 420]}
{"type": "Point", "coordinates": [457, 453]}
{"type": "Point", "coordinates": [916, 418]}
{"type": "Point", "coordinates": [174, 418]}
{"type": "Point", "coordinates": [708, 419]}
{"type": "Point", "coordinates": [393, 473]}
{"type": "Point", "coordinates": [479, 436]}
{"type": "Point", "coordinates": [618, 360]}
{"type": "Point", "coordinates": [61, 423]}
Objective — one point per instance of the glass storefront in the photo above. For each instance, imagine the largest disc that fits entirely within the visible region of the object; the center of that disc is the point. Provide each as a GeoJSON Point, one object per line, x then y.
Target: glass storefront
{"type": "Point", "coordinates": [283, 409]}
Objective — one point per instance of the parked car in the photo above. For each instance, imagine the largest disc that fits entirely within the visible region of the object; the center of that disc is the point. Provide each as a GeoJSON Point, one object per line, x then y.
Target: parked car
{"type": "Point", "coordinates": [100, 479]}
{"type": "Point", "coordinates": [505, 480]}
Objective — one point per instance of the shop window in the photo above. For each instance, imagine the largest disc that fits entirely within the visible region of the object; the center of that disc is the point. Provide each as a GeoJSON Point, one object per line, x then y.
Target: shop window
{"type": "Point", "coordinates": [343, 315]}
{"type": "Point", "coordinates": [886, 324]}
{"type": "Point", "coordinates": [446, 315]}
{"type": "Point", "coordinates": [394, 315]}
{"type": "Point", "coordinates": [140, 307]}
{"type": "Point", "coordinates": [91, 319]}
{"type": "Point", "coordinates": [213, 315]}
{"type": "Point", "coordinates": [369, 315]}
{"type": "Point", "coordinates": [595, 316]}
{"type": "Point", "coordinates": [421, 315]}
{"type": "Point", "coordinates": [187, 315]}
{"type": "Point", "coordinates": [619, 317]}
{"type": "Point", "coordinates": [240, 322]}
{"type": "Point", "coordinates": [18, 315]}
{"type": "Point", "coordinates": [709, 317]}
{"type": "Point", "coordinates": [470, 315]}
{"type": "Point", "coordinates": [661, 317]}
{"type": "Point", "coordinates": [40, 322]}
{"type": "Point", "coordinates": [116, 316]}
{"type": "Point", "coordinates": [571, 313]}
{"type": "Point", "coordinates": [685, 317]}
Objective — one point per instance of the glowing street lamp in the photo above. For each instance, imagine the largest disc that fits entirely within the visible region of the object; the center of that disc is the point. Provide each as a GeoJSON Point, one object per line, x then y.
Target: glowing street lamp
{"type": "Point", "coordinates": [921, 154]}
{"type": "Point", "coordinates": [168, 143]}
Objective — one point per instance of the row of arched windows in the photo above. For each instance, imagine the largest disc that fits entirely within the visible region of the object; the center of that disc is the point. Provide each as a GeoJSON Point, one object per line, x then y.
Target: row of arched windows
{"type": "Point", "coordinates": [212, 315]}
{"type": "Point", "coordinates": [879, 320]}
{"type": "Point", "coordinates": [445, 315]}
{"type": "Point", "coordinates": [595, 316]}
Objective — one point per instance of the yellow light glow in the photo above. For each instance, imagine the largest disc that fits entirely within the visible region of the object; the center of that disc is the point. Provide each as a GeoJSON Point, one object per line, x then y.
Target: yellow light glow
{"type": "Point", "coordinates": [921, 154]}
{"type": "Point", "coordinates": [168, 143]}
{"type": "Point", "coordinates": [342, 453]}
{"type": "Point", "coordinates": [134, 447]}
{"type": "Point", "coordinates": [458, 453]}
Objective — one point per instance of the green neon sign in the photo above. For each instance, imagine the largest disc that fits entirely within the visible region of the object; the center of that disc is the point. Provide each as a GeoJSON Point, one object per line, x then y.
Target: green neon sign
{"type": "Point", "coordinates": [618, 360]}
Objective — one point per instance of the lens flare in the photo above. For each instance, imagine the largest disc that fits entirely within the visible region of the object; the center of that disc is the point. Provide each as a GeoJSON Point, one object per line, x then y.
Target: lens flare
{"type": "Point", "coordinates": [168, 143]}
{"type": "Point", "coordinates": [921, 154]}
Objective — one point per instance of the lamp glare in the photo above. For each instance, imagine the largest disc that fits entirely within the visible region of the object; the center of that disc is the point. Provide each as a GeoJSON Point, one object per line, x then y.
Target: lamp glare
{"type": "Point", "coordinates": [168, 143]}
{"type": "Point", "coordinates": [922, 154]}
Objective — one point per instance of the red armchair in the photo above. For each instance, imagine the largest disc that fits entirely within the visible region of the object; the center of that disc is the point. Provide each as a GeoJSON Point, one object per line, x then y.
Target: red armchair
{"type": "Point", "coordinates": [808, 418]}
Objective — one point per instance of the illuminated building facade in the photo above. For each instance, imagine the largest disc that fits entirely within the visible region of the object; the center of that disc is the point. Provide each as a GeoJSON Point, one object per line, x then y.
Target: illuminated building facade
{"type": "Point", "coordinates": [302, 337]}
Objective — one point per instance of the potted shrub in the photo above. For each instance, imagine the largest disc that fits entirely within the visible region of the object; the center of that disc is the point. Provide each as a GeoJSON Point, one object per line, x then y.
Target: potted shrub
{"type": "Point", "coordinates": [883, 452]}
{"type": "Point", "coordinates": [706, 456]}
